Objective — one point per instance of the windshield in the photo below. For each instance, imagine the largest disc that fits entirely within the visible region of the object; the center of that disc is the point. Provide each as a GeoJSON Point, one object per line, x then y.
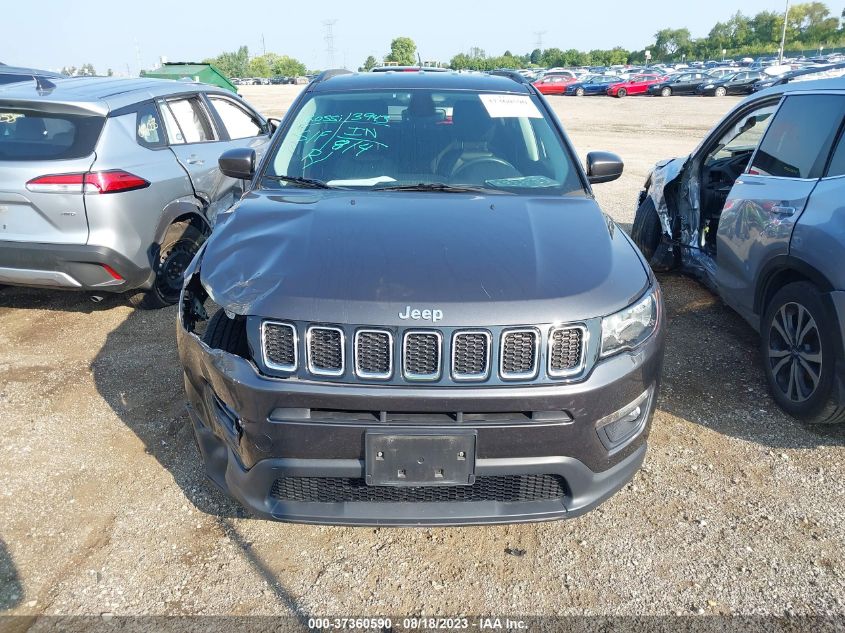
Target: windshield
{"type": "Point", "coordinates": [379, 140]}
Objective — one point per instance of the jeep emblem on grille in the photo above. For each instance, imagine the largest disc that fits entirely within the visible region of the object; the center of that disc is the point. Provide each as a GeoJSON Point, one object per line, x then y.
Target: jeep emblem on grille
{"type": "Point", "coordinates": [421, 315]}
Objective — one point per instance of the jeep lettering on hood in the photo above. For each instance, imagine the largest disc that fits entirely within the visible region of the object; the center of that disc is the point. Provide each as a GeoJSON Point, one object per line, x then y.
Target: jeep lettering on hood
{"type": "Point", "coordinates": [426, 315]}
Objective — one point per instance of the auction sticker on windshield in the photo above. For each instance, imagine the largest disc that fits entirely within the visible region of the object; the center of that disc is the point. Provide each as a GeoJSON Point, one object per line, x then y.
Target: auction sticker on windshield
{"type": "Point", "coordinates": [508, 106]}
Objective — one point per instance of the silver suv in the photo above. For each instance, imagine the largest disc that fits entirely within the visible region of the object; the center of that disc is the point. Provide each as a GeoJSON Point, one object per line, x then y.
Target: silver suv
{"type": "Point", "coordinates": [111, 185]}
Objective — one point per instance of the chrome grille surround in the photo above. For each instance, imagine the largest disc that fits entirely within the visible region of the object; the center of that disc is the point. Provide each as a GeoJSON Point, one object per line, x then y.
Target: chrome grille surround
{"type": "Point", "coordinates": [358, 352]}
{"type": "Point", "coordinates": [507, 335]}
{"type": "Point", "coordinates": [447, 356]}
{"type": "Point", "coordinates": [269, 325]}
{"type": "Point", "coordinates": [409, 337]}
{"type": "Point", "coordinates": [488, 354]}
{"type": "Point", "coordinates": [551, 354]}
{"type": "Point", "coordinates": [310, 350]}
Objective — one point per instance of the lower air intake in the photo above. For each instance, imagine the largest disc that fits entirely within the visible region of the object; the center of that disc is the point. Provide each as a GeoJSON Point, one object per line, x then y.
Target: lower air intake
{"type": "Point", "coordinates": [505, 488]}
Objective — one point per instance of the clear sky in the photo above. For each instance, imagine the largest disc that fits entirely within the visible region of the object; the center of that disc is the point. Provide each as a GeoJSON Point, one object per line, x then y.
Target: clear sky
{"type": "Point", "coordinates": [50, 34]}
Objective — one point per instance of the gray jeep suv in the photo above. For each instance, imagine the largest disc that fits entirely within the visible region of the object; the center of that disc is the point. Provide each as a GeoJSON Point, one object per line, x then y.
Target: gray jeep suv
{"type": "Point", "coordinates": [111, 185]}
{"type": "Point", "coordinates": [419, 314]}
{"type": "Point", "coordinates": [757, 212]}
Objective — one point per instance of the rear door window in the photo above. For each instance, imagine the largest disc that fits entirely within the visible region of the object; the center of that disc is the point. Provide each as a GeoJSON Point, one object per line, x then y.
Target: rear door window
{"type": "Point", "coordinates": [237, 121]}
{"type": "Point", "coordinates": [799, 140]}
{"type": "Point", "coordinates": [193, 124]}
{"type": "Point", "coordinates": [34, 135]}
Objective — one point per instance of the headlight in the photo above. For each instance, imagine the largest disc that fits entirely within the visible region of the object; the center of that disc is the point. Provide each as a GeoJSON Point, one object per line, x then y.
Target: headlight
{"type": "Point", "coordinates": [708, 86]}
{"type": "Point", "coordinates": [630, 327]}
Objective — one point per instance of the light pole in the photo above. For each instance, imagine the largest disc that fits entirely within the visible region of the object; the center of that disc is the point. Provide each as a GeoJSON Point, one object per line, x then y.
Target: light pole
{"type": "Point", "coordinates": [783, 34]}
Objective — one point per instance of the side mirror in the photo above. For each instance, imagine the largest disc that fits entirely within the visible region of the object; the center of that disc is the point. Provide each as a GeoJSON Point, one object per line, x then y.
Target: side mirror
{"type": "Point", "coordinates": [238, 163]}
{"type": "Point", "coordinates": [603, 167]}
{"type": "Point", "coordinates": [273, 124]}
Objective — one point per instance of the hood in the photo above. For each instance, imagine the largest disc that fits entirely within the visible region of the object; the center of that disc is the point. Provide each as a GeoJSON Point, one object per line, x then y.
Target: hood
{"type": "Point", "coordinates": [363, 258]}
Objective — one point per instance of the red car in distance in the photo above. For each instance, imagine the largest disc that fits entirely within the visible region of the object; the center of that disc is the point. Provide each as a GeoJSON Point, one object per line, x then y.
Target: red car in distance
{"type": "Point", "coordinates": [636, 85]}
{"type": "Point", "coordinates": [554, 83]}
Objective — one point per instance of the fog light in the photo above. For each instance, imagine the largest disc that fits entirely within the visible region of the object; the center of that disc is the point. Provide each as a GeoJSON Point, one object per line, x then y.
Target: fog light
{"type": "Point", "coordinates": [618, 429]}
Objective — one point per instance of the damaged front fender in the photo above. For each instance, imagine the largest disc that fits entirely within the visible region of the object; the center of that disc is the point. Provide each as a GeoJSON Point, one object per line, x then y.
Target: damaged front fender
{"type": "Point", "coordinates": [665, 173]}
{"type": "Point", "coordinates": [192, 301]}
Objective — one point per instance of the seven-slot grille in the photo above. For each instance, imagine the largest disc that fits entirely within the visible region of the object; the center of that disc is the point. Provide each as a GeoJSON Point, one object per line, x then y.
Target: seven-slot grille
{"type": "Point", "coordinates": [518, 354]}
{"type": "Point", "coordinates": [279, 343]}
{"type": "Point", "coordinates": [373, 354]}
{"type": "Point", "coordinates": [421, 355]}
{"type": "Point", "coordinates": [325, 350]}
{"type": "Point", "coordinates": [565, 350]}
{"type": "Point", "coordinates": [471, 355]}
{"type": "Point", "coordinates": [421, 352]}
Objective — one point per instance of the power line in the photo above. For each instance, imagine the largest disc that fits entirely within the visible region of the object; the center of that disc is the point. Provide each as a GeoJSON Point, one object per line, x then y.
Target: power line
{"type": "Point", "coordinates": [783, 35]}
{"type": "Point", "coordinates": [329, 38]}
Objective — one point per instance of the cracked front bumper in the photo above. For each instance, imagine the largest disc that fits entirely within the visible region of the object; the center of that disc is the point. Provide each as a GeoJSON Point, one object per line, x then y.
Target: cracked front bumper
{"type": "Point", "coordinates": [258, 434]}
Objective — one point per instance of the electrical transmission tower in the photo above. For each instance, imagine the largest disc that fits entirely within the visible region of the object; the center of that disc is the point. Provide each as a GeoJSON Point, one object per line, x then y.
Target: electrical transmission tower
{"type": "Point", "coordinates": [539, 42]}
{"type": "Point", "coordinates": [328, 25]}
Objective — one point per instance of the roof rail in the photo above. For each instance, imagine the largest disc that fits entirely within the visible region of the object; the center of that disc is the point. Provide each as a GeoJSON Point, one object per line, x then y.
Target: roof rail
{"type": "Point", "coordinates": [334, 72]}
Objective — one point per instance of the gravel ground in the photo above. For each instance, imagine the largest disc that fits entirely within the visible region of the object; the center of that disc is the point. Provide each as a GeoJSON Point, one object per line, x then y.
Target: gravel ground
{"type": "Point", "coordinates": [103, 507]}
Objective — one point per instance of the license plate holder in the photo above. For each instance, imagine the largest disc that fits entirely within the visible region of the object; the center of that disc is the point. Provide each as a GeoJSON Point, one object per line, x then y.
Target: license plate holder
{"type": "Point", "coordinates": [419, 459]}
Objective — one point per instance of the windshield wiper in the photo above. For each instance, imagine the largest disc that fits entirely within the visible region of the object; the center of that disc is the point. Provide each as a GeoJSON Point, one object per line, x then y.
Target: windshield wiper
{"type": "Point", "coordinates": [437, 186]}
{"type": "Point", "coordinates": [313, 183]}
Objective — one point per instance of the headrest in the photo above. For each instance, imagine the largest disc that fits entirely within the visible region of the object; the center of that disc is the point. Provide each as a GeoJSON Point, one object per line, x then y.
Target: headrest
{"type": "Point", "coordinates": [471, 121]}
{"type": "Point", "coordinates": [29, 129]}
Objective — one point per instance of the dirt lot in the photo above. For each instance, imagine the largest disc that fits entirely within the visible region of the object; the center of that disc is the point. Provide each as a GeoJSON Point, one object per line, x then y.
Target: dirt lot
{"type": "Point", "coordinates": [104, 509]}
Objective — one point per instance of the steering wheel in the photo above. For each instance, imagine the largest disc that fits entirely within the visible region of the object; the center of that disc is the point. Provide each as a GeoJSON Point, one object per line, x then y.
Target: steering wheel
{"type": "Point", "coordinates": [484, 168]}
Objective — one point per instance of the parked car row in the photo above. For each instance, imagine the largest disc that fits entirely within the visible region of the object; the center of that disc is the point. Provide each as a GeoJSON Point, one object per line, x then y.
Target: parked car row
{"type": "Point", "coordinates": [717, 82]}
{"type": "Point", "coordinates": [263, 81]}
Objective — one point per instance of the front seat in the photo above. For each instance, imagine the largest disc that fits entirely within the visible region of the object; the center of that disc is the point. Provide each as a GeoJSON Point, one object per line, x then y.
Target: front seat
{"type": "Point", "coordinates": [30, 129]}
{"type": "Point", "coordinates": [470, 155]}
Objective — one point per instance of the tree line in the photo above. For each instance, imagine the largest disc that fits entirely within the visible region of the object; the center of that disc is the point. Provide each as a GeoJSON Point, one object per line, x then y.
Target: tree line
{"type": "Point", "coordinates": [810, 25]}
{"type": "Point", "coordinates": [86, 70]}
{"type": "Point", "coordinates": [239, 64]}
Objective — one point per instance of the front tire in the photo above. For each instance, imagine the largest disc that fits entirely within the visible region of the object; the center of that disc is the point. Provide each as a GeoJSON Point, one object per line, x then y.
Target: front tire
{"type": "Point", "coordinates": [798, 343]}
{"type": "Point", "coordinates": [647, 230]}
{"type": "Point", "coordinates": [226, 334]}
{"type": "Point", "coordinates": [666, 92]}
{"type": "Point", "coordinates": [621, 93]}
{"type": "Point", "coordinates": [579, 92]}
{"type": "Point", "coordinates": [721, 92]}
{"type": "Point", "coordinates": [180, 244]}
